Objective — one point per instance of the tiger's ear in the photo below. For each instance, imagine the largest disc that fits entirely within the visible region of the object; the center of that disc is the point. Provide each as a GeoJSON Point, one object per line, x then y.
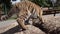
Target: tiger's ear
{"type": "Point", "coordinates": [16, 6]}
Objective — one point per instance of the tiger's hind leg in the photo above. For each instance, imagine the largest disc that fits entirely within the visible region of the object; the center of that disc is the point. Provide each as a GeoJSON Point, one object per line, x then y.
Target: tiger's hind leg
{"type": "Point", "coordinates": [40, 16]}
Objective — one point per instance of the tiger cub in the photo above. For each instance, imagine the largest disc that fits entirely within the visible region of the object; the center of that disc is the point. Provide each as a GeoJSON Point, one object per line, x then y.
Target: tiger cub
{"type": "Point", "coordinates": [25, 10]}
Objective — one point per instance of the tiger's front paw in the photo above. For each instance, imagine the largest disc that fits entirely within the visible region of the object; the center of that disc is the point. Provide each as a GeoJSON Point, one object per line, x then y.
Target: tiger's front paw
{"type": "Point", "coordinates": [24, 28]}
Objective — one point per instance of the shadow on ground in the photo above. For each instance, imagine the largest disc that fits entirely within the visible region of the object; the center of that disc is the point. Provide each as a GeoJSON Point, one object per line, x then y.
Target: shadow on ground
{"type": "Point", "coordinates": [12, 30]}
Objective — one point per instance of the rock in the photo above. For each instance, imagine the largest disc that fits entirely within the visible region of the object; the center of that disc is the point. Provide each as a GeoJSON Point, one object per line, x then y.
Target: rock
{"type": "Point", "coordinates": [6, 25]}
{"type": "Point", "coordinates": [51, 26]}
{"type": "Point", "coordinates": [31, 30]}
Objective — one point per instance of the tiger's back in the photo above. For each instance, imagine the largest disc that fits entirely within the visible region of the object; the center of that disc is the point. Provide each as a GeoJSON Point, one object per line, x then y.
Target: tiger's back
{"type": "Point", "coordinates": [29, 7]}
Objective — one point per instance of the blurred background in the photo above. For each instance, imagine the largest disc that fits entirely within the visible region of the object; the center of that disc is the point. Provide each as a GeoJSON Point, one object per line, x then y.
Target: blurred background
{"type": "Point", "coordinates": [5, 5]}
